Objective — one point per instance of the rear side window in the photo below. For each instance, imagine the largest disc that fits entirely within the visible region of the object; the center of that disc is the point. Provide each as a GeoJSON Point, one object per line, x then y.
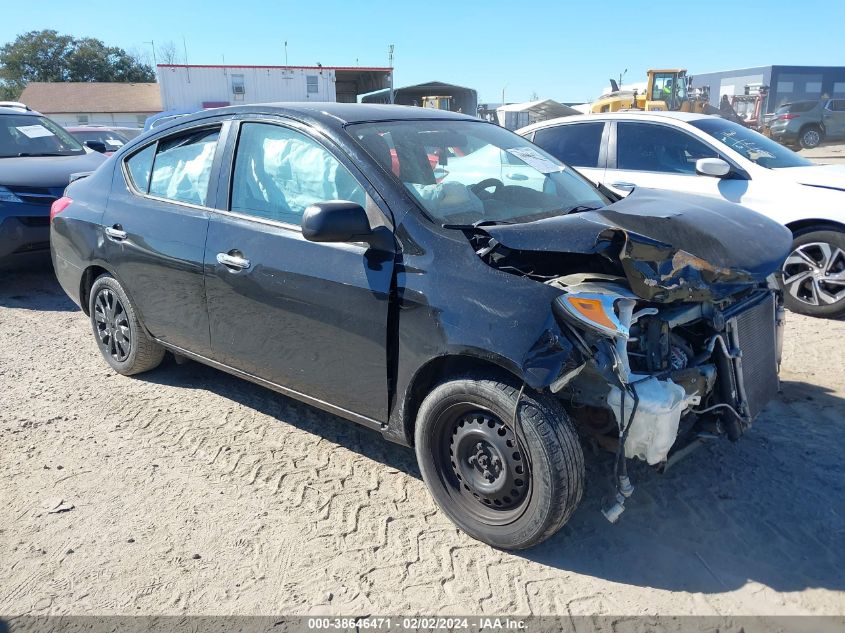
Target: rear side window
{"type": "Point", "coordinates": [182, 166]}
{"type": "Point", "coordinates": [140, 166]}
{"type": "Point", "coordinates": [577, 144]}
{"type": "Point", "coordinates": [648, 147]}
{"type": "Point", "coordinates": [800, 106]}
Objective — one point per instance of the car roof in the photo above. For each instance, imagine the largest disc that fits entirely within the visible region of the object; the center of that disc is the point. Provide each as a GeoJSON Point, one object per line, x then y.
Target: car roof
{"type": "Point", "coordinates": [17, 110]}
{"type": "Point", "coordinates": [653, 115]}
{"type": "Point", "coordinates": [334, 114]}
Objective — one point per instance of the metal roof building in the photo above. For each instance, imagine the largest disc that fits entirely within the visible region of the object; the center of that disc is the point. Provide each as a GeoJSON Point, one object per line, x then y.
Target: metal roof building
{"type": "Point", "coordinates": [194, 86]}
{"type": "Point", "coordinates": [786, 83]}
{"type": "Point", "coordinates": [462, 99]}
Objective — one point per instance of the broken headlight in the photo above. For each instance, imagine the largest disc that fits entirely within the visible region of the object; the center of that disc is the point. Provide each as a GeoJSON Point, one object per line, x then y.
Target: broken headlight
{"type": "Point", "coordinates": [608, 314]}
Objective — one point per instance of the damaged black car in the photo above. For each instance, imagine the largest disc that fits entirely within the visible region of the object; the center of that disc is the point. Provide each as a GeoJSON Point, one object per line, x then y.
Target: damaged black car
{"type": "Point", "coordinates": [439, 279]}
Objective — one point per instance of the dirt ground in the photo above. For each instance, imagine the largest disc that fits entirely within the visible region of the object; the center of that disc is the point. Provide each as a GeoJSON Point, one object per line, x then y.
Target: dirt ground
{"type": "Point", "coordinates": [187, 491]}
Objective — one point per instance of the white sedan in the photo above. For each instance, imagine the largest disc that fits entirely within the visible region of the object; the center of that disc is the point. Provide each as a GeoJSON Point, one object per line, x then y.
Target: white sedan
{"type": "Point", "coordinates": [710, 156]}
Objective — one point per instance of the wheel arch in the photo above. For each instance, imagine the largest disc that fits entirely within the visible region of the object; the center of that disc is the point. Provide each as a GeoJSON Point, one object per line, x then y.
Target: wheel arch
{"type": "Point", "coordinates": [440, 369]}
{"type": "Point", "coordinates": [89, 276]}
{"type": "Point", "coordinates": [799, 227]}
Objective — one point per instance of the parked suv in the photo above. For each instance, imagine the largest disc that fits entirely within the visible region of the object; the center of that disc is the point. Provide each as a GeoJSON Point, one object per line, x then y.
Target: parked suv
{"type": "Point", "coordinates": [316, 250]}
{"type": "Point", "coordinates": [806, 124]}
{"type": "Point", "coordinates": [37, 157]}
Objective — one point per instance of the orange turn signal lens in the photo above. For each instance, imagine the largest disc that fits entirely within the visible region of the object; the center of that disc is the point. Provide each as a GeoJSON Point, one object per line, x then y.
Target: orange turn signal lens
{"type": "Point", "coordinates": [592, 310]}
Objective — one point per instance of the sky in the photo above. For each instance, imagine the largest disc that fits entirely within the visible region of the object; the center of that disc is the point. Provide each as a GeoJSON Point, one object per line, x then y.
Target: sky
{"type": "Point", "coordinates": [560, 50]}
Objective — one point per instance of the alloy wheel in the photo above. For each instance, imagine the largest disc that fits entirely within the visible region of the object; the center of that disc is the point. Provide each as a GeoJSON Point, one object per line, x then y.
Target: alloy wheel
{"type": "Point", "coordinates": [811, 138]}
{"type": "Point", "coordinates": [112, 324]}
{"type": "Point", "coordinates": [814, 274]}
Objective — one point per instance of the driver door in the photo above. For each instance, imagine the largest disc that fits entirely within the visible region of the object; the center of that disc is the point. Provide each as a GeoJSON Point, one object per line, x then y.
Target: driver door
{"type": "Point", "coordinates": [308, 317]}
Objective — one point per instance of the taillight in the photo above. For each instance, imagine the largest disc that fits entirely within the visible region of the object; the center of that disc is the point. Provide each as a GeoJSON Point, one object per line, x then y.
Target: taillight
{"type": "Point", "coordinates": [58, 206]}
{"type": "Point", "coordinates": [786, 117]}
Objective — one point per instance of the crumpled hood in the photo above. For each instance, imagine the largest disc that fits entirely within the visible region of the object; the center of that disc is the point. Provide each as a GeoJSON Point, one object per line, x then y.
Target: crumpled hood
{"type": "Point", "coordinates": [826, 176]}
{"type": "Point", "coordinates": [46, 171]}
{"type": "Point", "coordinates": [672, 247]}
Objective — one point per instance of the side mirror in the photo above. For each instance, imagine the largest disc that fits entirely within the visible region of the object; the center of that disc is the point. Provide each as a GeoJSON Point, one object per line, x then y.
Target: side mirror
{"type": "Point", "coordinates": [97, 146]}
{"type": "Point", "coordinates": [713, 167]}
{"type": "Point", "coordinates": [343, 221]}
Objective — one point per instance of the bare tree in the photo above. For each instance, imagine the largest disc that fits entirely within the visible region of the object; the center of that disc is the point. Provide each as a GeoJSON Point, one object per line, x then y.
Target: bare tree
{"type": "Point", "coordinates": [167, 53]}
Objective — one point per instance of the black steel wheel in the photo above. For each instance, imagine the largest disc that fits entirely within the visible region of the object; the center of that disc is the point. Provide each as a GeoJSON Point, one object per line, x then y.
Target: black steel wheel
{"type": "Point", "coordinates": [490, 475]}
{"type": "Point", "coordinates": [511, 486]}
{"type": "Point", "coordinates": [121, 338]}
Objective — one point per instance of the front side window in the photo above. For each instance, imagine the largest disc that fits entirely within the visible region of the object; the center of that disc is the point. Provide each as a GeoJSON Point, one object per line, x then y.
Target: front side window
{"type": "Point", "coordinates": [658, 148]}
{"type": "Point", "coordinates": [279, 172]}
{"type": "Point", "coordinates": [27, 135]}
{"type": "Point", "coordinates": [463, 172]}
{"type": "Point", "coordinates": [577, 144]}
{"type": "Point", "coordinates": [750, 144]}
{"type": "Point", "coordinates": [182, 166]}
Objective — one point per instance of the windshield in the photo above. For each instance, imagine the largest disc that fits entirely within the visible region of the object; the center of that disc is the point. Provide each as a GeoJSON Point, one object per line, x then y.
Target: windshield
{"type": "Point", "coordinates": [465, 172]}
{"type": "Point", "coordinates": [27, 135]}
{"type": "Point", "coordinates": [754, 146]}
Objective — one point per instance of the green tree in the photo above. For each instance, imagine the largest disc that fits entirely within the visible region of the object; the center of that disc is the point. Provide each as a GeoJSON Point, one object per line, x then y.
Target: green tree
{"type": "Point", "coordinates": [49, 56]}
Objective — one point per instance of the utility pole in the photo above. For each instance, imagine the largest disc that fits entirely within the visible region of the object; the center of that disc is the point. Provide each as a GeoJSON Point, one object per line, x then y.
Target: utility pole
{"type": "Point", "coordinates": [185, 48]}
{"type": "Point", "coordinates": [153, 45]}
{"type": "Point", "coordinates": [503, 93]}
{"type": "Point", "coordinates": [390, 64]}
{"type": "Point", "coordinates": [286, 52]}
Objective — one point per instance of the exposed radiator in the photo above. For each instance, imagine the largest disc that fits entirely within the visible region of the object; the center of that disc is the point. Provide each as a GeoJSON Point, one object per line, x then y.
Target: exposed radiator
{"type": "Point", "coordinates": [753, 332]}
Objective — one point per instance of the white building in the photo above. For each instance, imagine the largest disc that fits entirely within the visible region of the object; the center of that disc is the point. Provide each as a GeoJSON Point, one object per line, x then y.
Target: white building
{"type": "Point", "coordinates": [192, 87]}
{"type": "Point", "coordinates": [88, 103]}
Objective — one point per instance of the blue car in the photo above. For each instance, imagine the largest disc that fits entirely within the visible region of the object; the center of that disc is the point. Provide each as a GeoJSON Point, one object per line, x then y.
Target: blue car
{"type": "Point", "coordinates": [37, 158]}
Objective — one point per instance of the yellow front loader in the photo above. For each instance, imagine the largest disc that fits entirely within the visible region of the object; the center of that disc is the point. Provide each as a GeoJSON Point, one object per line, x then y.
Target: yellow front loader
{"type": "Point", "coordinates": [666, 90]}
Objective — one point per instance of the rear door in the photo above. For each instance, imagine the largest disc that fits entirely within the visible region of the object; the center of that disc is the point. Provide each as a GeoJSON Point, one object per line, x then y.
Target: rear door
{"type": "Point", "coordinates": [658, 156]}
{"type": "Point", "coordinates": [310, 317]}
{"type": "Point", "coordinates": [581, 145]}
{"type": "Point", "coordinates": [155, 227]}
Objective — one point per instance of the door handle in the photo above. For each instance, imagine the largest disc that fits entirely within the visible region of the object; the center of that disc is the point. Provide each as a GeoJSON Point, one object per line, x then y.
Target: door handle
{"type": "Point", "coordinates": [232, 261]}
{"type": "Point", "coordinates": [623, 185]}
{"type": "Point", "coordinates": [116, 232]}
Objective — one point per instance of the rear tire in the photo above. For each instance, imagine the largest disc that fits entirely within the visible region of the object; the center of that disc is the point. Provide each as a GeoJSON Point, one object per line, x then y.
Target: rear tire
{"type": "Point", "coordinates": [810, 137]}
{"type": "Point", "coordinates": [119, 334]}
{"type": "Point", "coordinates": [814, 274]}
{"type": "Point", "coordinates": [509, 488]}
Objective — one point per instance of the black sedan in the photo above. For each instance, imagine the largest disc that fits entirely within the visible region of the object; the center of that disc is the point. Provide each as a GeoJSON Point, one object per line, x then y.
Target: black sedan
{"type": "Point", "coordinates": [439, 279]}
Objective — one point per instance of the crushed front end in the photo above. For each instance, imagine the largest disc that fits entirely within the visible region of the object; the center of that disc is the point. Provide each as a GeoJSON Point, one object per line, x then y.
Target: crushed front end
{"type": "Point", "coordinates": [661, 378]}
{"type": "Point", "coordinates": [679, 331]}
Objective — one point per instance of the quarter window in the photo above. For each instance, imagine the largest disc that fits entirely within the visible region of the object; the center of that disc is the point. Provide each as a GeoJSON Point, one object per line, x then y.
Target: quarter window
{"type": "Point", "coordinates": [182, 166]}
{"type": "Point", "coordinates": [577, 144]}
{"type": "Point", "coordinates": [279, 172]}
{"type": "Point", "coordinates": [139, 166]}
{"type": "Point", "coordinates": [646, 147]}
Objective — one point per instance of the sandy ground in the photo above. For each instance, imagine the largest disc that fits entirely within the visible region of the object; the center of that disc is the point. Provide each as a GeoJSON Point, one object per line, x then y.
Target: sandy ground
{"type": "Point", "coordinates": [187, 491]}
{"type": "Point", "coordinates": [195, 492]}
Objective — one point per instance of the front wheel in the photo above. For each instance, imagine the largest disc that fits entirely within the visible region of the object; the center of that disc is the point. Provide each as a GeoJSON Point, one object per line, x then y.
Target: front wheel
{"type": "Point", "coordinates": [119, 334]}
{"type": "Point", "coordinates": [814, 274]}
{"type": "Point", "coordinates": [509, 487]}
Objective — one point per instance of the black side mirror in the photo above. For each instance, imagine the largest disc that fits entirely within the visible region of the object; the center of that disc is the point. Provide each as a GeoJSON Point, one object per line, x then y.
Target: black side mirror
{"type": "Point", "coordinates": [342, 221]}
{"type": "Point", "coordinates": [97, 146]}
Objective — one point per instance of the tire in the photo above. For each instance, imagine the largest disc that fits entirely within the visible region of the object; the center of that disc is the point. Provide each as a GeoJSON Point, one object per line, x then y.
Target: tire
{"type": "Point", "coordinates": [810, 137]}
{"type": "Point", "coordinates": [814, 274]}
{"type": "Point", "coordinates": [464, 425]}
{"type": "Point", "coordinates": [119, 334]}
